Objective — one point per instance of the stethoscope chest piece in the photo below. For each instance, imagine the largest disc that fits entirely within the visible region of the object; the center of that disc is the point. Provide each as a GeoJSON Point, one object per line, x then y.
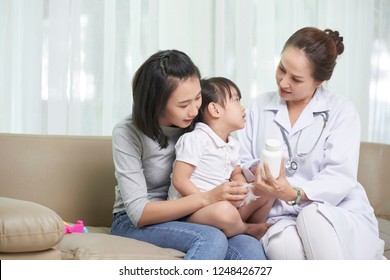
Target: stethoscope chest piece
{"type": "Point", "coordinates": [291, 166]}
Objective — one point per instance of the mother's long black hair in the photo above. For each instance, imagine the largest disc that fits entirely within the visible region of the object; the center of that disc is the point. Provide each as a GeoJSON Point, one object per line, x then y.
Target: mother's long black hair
{"type": "Point", "coordinates": [153, 84]}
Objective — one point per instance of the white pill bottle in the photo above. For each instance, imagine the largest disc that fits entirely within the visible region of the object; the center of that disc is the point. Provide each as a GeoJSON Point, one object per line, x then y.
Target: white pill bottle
{"type": "Point", "coordinates": [272, 155]}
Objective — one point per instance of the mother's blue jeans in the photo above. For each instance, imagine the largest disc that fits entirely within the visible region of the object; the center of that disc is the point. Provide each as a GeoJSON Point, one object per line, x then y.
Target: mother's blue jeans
{"type": "Point", "coordinates": [199, 242]}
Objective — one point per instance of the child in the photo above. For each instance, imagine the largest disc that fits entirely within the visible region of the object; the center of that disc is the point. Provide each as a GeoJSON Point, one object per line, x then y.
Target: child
{"type": "Point", "coordinates": [209, 156]}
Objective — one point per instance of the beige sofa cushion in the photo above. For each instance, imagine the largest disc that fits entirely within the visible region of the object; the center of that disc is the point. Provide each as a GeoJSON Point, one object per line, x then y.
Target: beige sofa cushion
{"type": "Point", "coordinates": [72, 175]}
{"type": "Point", "coordinates": [27, 226]}
{"type": "Point", "coordinates": [50, 254]}
{"type": "Point", "coordinates": [103, 246]}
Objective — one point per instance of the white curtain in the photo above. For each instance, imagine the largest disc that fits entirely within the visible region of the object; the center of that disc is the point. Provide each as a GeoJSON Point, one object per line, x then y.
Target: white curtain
{"type": "Point", "coordinates": [66, 65]}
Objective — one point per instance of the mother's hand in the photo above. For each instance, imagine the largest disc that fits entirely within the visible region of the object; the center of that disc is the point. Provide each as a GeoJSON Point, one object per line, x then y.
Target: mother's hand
{"type": "Point", "coordinates": [231, 191]}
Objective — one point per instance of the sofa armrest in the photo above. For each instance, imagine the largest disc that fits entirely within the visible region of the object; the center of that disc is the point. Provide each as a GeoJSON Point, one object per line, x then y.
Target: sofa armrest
{"type": "Point", "coordinates": [374, 175]}
{"type": "Point", "coordinates": [28, 227]}
{"type": "Point", "coordinates": [383, 210]}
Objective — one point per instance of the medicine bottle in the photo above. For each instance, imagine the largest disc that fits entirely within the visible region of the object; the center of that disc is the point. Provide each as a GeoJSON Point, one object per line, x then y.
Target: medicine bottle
{"type": "Point", "coordinates": [272, 155]}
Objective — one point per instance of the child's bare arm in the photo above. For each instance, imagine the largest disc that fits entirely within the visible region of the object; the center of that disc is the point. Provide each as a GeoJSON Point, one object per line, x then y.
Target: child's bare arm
{"type": "Point", "coordinates": [181, 178]}
{"type": "Point", "coordinates": [237, 175]}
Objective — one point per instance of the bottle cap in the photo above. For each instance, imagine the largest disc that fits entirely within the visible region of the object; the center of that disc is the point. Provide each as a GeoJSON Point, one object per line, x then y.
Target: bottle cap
{"type": "Point", "coordinates": [273, 144]}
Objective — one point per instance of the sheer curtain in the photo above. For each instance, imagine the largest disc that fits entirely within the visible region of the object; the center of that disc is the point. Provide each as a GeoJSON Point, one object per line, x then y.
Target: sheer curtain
{"type": "Point", "coordinates": [66, 65]}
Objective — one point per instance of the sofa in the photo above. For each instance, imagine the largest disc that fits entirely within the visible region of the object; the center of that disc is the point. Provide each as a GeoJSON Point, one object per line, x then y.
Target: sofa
{"type": "Point", "coordinates": [47, 181]}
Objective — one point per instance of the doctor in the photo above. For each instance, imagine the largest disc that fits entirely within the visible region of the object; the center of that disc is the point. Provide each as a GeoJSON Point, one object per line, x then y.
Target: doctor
{"type": "Point", "coordinates": [321, 211]}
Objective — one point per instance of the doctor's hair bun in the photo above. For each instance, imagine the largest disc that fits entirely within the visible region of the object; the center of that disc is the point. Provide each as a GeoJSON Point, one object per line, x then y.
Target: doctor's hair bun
{"type": "Point", "coordinates": [335, 35]}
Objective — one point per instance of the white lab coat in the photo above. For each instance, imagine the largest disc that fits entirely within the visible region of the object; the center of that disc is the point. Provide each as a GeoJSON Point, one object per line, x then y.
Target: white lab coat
{"type": "Point", "coordinates": [328, 174]}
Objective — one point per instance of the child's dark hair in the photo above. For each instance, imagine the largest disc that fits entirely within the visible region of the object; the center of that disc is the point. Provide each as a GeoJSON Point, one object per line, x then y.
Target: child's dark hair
{"type": "Point", "coordinates": [216, 89]}
{"type": "Point", "coordinates": [153, 84]}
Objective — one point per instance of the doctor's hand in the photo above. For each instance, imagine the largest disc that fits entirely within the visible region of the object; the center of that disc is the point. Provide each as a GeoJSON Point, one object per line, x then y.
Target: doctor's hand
{"type": "Point", "coordinates": [280, 188]}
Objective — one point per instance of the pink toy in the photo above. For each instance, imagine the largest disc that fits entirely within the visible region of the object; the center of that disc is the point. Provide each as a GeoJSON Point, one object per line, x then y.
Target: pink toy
{"type": "Point", "coordinates": [78, 227]}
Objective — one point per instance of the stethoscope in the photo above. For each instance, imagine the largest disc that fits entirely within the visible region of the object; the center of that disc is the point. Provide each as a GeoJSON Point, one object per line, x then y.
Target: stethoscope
{"type": "Point", "coordinates": [290, 164]}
